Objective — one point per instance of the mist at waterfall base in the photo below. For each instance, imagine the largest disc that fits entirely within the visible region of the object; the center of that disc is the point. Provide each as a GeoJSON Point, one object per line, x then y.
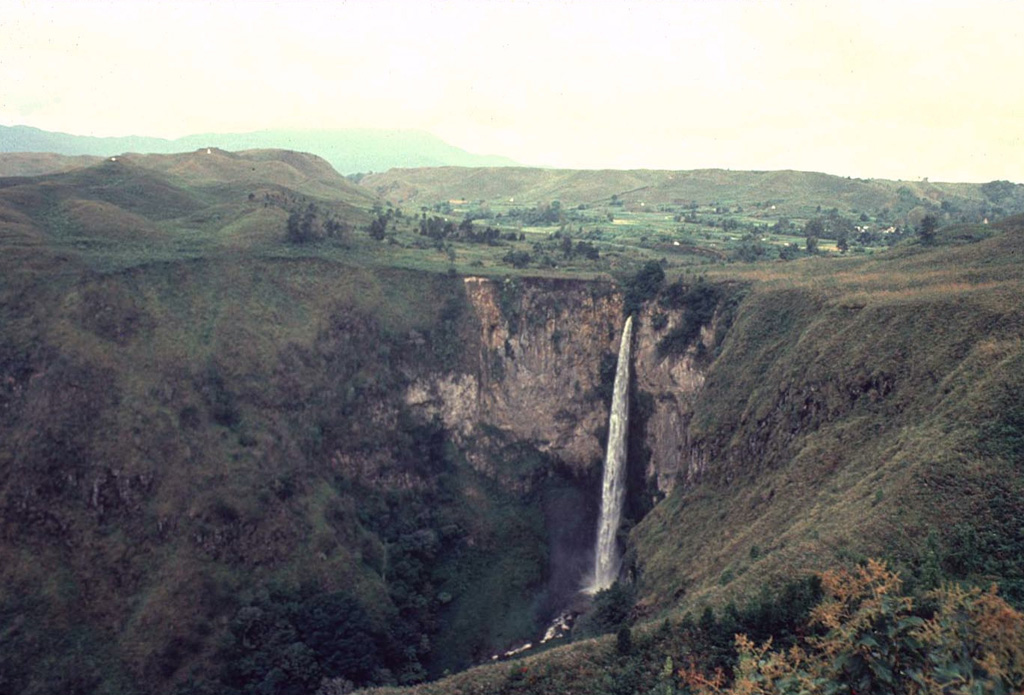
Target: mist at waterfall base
{"type": "Point", "coordinates": [571, 515]}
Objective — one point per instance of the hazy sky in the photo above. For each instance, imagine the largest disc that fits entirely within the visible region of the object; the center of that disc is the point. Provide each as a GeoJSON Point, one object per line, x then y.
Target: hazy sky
{"type": "Point", "coordinates": [893, 89]}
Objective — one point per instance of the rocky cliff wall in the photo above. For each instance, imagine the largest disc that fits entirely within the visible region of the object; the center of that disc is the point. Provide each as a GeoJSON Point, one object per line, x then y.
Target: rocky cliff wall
{"type": "Point", "coordinates": [674, 382]}
{"type": "Point", "coordinates": [537, 375]}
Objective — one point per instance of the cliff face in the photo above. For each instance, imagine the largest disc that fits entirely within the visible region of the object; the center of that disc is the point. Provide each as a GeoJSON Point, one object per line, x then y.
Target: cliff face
{"type": "Point", "coordinates": [674, 382]}
{"type": "Point", "coordinates": [535, 368]}
{"type": "Point", "coordinates": [536, 375]}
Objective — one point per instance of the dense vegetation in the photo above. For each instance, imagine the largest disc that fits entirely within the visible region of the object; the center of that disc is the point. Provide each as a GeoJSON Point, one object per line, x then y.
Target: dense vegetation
{"type": "Point", "coordinates": [849, 631]}
{"type": "Point", "coordinates": [878, 639]}
{"type": "Point", "coordinates": [212, 480]}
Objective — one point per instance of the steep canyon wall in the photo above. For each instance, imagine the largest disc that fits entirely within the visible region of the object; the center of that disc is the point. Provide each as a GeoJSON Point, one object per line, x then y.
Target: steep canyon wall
{"type": "Point", "coordinates": [537, 376]}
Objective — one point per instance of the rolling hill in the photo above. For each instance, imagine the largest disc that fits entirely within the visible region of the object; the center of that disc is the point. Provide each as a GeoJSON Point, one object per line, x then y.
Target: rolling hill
{"type": "Point", "coordinates": [128, 210]}
{"type": "Point", "coordinates": [785, 193]}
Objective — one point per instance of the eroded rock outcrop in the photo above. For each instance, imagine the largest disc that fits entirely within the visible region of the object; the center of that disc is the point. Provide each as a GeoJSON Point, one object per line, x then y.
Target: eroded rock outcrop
{"type": "Point", "coordinates": [536, 368]}
{"type": "Point", "coordinates": [537, 375]}
{"type": "Point", "coordinates": [674, 382]}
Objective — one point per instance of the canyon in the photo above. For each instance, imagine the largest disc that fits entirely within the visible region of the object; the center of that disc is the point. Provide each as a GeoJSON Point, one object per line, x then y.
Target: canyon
{"type": "Point", "coordinates": [229, 463]}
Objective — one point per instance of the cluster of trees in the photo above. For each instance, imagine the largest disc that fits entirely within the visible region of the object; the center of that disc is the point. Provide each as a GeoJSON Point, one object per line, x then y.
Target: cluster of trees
{"type": "Point", "coordinates": [831, 226]}
{"type": "Point", "coordinates": [313, 224]}
{"type": "Point", "coordinates": [1006, 198]}
{"type": "Point", "coordinates": [582, 248]}
{"type": "Point", "coordinates": [440, 229]}
{"type": "Point", "coordinates": [585, 249]}
{"type": "Point", "coordinates": [751, 249]}
{"type": "Point", "coordinates": [436, 228]}
{"type": "Point", "coordinates": [544, 215]}
{"type": "Point", "coordinates": [517, 259]}
{"type": "Point", "coordinates": [642, 287]}
{"type": "Point", "coordinates": [289, 639]}
{"type": "Point", "coordinates": [378, 227]}
{"type": "Point", "coordinates": [470, 234]}
{"type": "Point", "coordinates": [544, 253]}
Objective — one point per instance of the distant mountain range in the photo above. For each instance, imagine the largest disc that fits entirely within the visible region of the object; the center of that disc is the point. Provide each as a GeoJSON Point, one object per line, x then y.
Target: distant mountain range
{"type": "Point", "coordinates": [348, 151]}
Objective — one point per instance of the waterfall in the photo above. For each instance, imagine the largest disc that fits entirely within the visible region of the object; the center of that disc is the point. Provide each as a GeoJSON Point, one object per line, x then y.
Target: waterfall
{"type": "Point", "coordinates": [613, 487]}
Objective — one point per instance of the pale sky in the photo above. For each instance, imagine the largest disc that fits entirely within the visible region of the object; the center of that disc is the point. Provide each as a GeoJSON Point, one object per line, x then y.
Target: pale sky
{"type": "Point", "coordinates": [892, 89]}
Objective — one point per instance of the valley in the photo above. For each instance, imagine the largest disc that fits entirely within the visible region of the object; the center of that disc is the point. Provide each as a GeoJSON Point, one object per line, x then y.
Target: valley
{"type": "Point", "coordinates": [267, 428]}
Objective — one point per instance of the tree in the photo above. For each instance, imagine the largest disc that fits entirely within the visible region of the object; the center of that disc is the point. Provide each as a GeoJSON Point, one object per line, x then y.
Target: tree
{"type": "Point", "coordinates": [998, 191]}
{"type": "Point", "coordinates": [926, 230]}
{"type": "Point", "coordinates": [643, 286]}
{"type": "Point", "coordinates": [341, 634]}
{"type": "Point", "coordinates": [788, 252]}
{"type": "Point", "coordinates": [812, 245]}
{"type": "Point", "coordinates": [814, 228]}
{"type": "Point", "coordinates": [624, 641]}
{"type": "Point", "coordinates": [378, 227]}
{"type": "Point", "coordinates": [750, 248]}
{"type": "Point", "coordinates": [588, 250]}
{"type": "Point", "coordinates": [294, 233]}
{"type": "Point", "coordinates": [517, 259]}
{"type": "Point", "coordinates": [782, 225]}
{"type": "Point", "coordinates": [307, 226]}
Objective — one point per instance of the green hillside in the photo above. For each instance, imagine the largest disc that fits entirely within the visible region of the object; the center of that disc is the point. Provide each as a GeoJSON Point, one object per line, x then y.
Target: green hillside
{"type": "Point", "coordinates": [859, 408]}
{"type": "Point", "coordinates": [767, 195]}
{"type": "Point", "coordinates": [263, 431]}
{"type": "Point", "coordinates": [137, 208]}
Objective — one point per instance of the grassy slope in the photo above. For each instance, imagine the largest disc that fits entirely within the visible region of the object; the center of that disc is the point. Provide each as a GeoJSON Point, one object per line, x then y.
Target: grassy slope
{"type": "Point", "coordinates": [180, 206]}
{"type": "Point", "coordinates": [845, 417]}
{"type": "Point", "coordinates": [116, 307]}
{"type": "Point", "coordinates": [248, 169]}
{"type": "Point", "coordinates": [794, 193]}
{"type": "Point", "coordinates": [863, 407]}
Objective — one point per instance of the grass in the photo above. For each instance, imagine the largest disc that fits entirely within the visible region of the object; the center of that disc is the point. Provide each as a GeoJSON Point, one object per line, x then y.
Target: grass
{"type": "Point", "coordinates": [839, 392]}
{"type": "Point", "coordinates": [227, 410]}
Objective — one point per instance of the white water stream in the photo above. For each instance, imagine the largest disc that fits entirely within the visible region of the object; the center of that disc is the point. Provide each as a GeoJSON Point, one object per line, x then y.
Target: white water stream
{"type": "Point", "coordinates": [613, 488]}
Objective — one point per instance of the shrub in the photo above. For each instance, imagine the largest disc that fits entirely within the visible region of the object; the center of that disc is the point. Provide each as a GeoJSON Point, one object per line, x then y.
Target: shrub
{"type": "Point", "coordinates": [610, 611]}
{"type": "Point", "coordinates": [879, 640]}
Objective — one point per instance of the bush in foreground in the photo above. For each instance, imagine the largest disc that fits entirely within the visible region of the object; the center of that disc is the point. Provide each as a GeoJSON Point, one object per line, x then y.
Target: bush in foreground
{"type": "Point", "coordinates": [878, 640]}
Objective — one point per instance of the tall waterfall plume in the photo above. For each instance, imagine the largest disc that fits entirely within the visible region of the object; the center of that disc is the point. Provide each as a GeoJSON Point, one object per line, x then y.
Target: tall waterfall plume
{"type": "Point", "coordinates": [613, 488]}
